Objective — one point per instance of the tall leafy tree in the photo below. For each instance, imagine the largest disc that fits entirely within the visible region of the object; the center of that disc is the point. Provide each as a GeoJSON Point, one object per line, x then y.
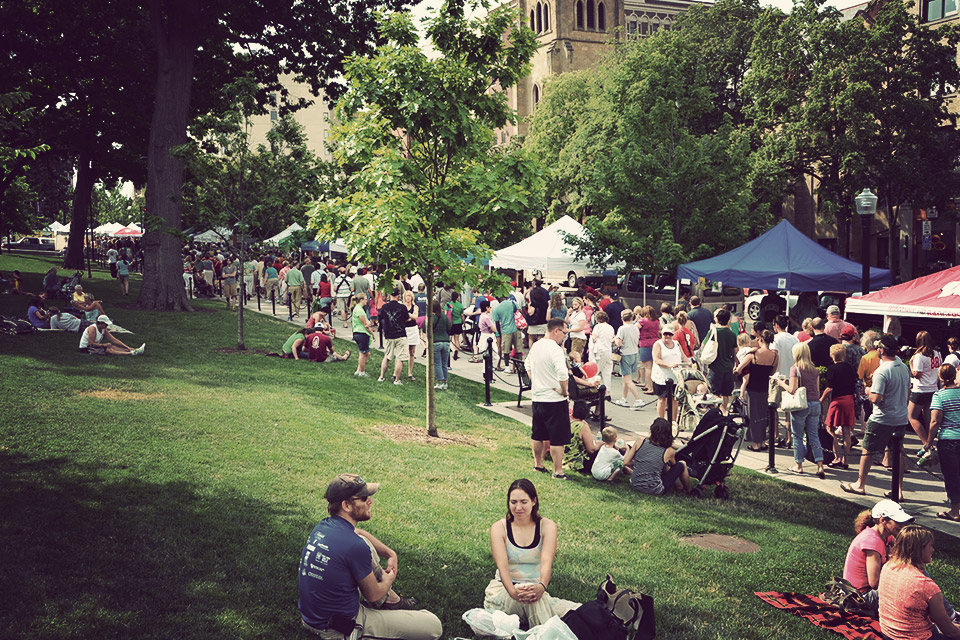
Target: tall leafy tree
{"type": "Point", "coordinates": [208, 43]}
{"type": "Point", "coordinates": [652, 160]}
{"type": "Point", "coordinates": [426, 183]}
{"type": "Point", "coordinates": [855, 103]}
{"type": "Point", "coordinates": [88, 72]}
{"type": "Point", "coordinates": [18, 149]}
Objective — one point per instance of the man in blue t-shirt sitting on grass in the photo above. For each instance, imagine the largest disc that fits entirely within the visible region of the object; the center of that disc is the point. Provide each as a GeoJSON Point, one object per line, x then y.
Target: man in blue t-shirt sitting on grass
{"type": "Point", "coordinates": [341, 562]}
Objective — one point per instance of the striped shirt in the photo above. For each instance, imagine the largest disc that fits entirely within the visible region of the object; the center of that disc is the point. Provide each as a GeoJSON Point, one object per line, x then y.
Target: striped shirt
{"type": "Point", "coordinates": [948, 401]}
{"type": "Point", "coordinates": [647, 467]}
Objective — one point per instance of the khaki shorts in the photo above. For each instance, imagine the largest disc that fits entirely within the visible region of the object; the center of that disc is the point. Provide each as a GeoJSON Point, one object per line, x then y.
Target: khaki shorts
{"type": "Point", "coordinates": [343, 304]}
{"type": "Point", "coordinates": [396, 348]}
{"type": "Point", "coordinates": [508, 340]}
{"type": "Point", "coordinates": [229, 291]}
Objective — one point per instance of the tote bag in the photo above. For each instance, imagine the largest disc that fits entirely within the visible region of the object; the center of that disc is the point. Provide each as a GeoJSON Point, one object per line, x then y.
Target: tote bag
{"type": "Point", "coordinates": [796, 401]}
{"type": "Point", "coordinates": [708, 352]}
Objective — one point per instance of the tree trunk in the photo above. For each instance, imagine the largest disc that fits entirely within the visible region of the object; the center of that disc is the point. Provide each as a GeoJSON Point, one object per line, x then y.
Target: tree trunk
{"type": "Point", "coordinates": [82, 196]}
{"type": "Point", "coordinates": [176, 41]}
{"type": "Point", "coordinates": [431, 373]}
{"type": "Point", "coordinates": [843, 233]}
{"type": "Point", "coordinates": [894, 247]}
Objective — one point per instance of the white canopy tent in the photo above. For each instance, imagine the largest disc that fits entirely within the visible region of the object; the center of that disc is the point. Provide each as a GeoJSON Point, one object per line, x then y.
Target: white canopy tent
{"type": "Point", "coordinates": [108, 228]}
{"type": "Point", "coordinates": [56, 227]}
{"type": "Point", "coordinates": [219, 234]}
{"type": "Point", "coordinates": [283, 235]}
{"type": "Point", "coordinates": [546, 251]}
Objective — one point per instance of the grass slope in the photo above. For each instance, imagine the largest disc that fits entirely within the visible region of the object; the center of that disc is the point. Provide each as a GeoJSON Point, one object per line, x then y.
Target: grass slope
{"type": "Point", "coordinates": [169, 496]}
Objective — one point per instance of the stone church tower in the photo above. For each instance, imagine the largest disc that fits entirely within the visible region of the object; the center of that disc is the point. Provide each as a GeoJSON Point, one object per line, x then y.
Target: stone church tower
{"type": "Point", "coordinates": [575, 34]}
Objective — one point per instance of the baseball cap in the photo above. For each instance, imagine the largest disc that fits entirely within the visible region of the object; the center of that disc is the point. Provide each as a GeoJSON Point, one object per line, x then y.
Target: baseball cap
{"type": "Point", "coordinates": [833, 310]}
{"type": "Point", "coordinates": [104, 319]}
{"type": "Point", "coordinates": [848, 333]}
{"type": "Point", "coordinates": [892, 510]}
{"type": "Point", "coordinates": [889, 342]}
{"type": "Point", "coordinates": [349, 485]}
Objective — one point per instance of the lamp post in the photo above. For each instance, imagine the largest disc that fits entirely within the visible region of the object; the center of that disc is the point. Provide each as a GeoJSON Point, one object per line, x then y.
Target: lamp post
{"type": "Point", "coordinates": [866, 207]}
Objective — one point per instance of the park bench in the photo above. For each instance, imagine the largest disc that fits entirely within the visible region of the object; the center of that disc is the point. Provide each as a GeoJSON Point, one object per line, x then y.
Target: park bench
{"type": "Point", "coordinates": [523, 378]}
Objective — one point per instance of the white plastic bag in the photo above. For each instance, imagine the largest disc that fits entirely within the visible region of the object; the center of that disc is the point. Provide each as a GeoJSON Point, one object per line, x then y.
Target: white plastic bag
{"type": "Point", "coordinates": [552, 629]}
{"type": "Point", "coordinates": [492, 623]}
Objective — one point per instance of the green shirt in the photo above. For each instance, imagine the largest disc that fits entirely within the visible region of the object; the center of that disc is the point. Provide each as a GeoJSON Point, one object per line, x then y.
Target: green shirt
{"type": "Point", "coordinates": [457, 310]}
{"type": "Point", "coordinates": [357, 316]}
{"type": "Point", "coordinates": [726, 349]}
{"type": "Point", "coordinates": [441, 328]}
{"type": "Point", "coordinates": [294, 278]}
{"type": "Point", "coordinates": [288, 345]}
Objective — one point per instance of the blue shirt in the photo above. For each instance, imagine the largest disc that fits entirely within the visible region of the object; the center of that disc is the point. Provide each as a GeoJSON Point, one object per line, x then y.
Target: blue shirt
{"type": "Point", "coordinates": [334, 561]}
{"type": "Point", "coordinates": [272, 273]}
{"type": "Point", "coordinates": [948, 401]}
{"type": "Point", "coordinates": [123, 267]}
{"type": "Point", "coordinates": [892, 381]}
{"type": "Point", "coordinates": [504, 314]}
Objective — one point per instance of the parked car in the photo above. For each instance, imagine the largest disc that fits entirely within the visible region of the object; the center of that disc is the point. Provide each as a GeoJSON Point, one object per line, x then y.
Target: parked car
{"type": "Point", "coordinates": [751, 305]}
{"type": "Point", "coordinates": [29, 243]}
{"type": "Point", "coordinates": [663, 288]}
{"type": "Point", "coordinates": [824, 300]}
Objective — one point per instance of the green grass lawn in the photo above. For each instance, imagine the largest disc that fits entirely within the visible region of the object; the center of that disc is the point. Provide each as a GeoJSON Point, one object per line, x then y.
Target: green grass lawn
{"type": "Point", "coordinates": [169, 496]}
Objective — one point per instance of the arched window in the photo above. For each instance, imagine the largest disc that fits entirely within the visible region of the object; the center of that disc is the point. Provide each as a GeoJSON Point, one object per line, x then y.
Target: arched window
{"type": "Point", "coordinates": [579, 14]}
{"type": "Point", "coordinates": [536, 95]}
{"type": "Point", "coordinates": [539, 18]}
{"type": "Point", "coordinates": [591, 16]}
{"type": "Point", "coordinates": [533, 25]}
{"type": "Point", "coordinates": [601, 17]}
{"type": "Point", "coordinates": [546, 17]}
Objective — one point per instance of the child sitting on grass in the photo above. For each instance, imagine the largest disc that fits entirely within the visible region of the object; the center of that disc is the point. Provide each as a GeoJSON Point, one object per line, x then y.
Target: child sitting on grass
{"type": "Point", "coordinates": [608, 464]}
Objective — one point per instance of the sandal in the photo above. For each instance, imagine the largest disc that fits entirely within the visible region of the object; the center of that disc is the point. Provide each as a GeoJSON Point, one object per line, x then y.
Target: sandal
{"type": "Point", "coordinates": [541, 469]}
{"type": "Point", "coordinates": [945, 515]}
{"type": "Point", "coordinates": [402, 603]}
{"type": "Point", "coordinates": [560, 476]}
{"type": "Point", "coordinates": [848, 487]}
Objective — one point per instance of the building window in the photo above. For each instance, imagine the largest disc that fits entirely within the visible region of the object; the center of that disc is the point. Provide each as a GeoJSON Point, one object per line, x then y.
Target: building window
{"type": "Point", "coordinates": [601, 17]}
{"type": "Point", "coordinates": [536, 95]}
{"type": "Point", "coordinates": [579, 14]}
{"type": "Point", "coordinates": [632, 28]}
{"type": "Point", "coordinates": [546, 17]}
{"type": "Point", "coordinates": [533, 24]}
{"type": "Point", "coordinates": [644, 29]}
{"type": "Point", "coordinates": [937, 9]}
{"type": "Point", "coordinates": [539, 18]}
{"type": "Point", "coordinates": [591, 16]}
{"type": "Point", "coordinates": [273, 115]}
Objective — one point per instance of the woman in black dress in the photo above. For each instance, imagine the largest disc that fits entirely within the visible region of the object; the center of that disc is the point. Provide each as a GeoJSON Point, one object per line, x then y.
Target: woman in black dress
{"type": "Point", "coordinates": [756, 367]}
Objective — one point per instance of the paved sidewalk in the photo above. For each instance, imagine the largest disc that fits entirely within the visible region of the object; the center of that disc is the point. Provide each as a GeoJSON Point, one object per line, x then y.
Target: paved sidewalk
{"type": "Point", "coordinates": [924, 494]}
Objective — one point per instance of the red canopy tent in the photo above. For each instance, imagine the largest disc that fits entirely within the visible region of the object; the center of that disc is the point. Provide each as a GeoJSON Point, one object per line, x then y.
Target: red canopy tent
{"type": "Point", "coordinates": [933, 296]}
{"type": "Point", "coordinates": [127, 232]}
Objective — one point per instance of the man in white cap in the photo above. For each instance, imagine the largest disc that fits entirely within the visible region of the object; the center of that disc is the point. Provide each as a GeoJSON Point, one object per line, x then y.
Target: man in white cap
{"type": "Point", "coordinates": [835, 324]}
{"type": "Point", "coordinates": [97, 340]}
{"type": "Point", "coordinates": [341, 562]}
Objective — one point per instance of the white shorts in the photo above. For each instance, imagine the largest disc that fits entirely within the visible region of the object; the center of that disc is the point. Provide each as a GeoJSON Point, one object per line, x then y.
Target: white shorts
{"type": "Point", "coordinates": [413, 336]}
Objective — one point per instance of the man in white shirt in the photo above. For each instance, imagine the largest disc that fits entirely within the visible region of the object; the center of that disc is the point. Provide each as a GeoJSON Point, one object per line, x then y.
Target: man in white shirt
{"type": "Point", "coordinates": [783, 343]}
{"type": "Point", "coordinates": [547, 365]}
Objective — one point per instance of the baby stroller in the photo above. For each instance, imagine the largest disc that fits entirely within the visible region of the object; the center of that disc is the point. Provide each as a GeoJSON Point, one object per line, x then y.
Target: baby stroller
{"type": "Point", "coordinates": [67, 285]}
{"type": "Point", "coordinates": [713, 449]}
{"type": "Point", "coordinates": [692, 406]}
{"type": "Point", "coordinates": [470, 330]}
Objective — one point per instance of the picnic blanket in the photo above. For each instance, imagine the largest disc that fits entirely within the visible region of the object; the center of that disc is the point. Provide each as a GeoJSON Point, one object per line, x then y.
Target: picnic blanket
{"type": "Point", "coordinates": [823, 615]}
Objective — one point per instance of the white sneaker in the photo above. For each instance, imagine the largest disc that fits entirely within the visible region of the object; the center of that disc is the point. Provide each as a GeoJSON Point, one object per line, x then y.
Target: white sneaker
{"type": "Point", "coordinates": [142, 348]}
{"type": "Point", "coordinates": [397, 382]}
{"type": "Point", "coordinates": [622, 402]}
{"type": "Point", "coordinates": [362, 374]}
{"type": "Point", "coordinates": [380, 379]}
{"type": "Point", "coordinates": [639, 404]}
{"type": "Point", "coordinates": [439, 385]}
{"type": "Point", "coordinates": [446, 386]}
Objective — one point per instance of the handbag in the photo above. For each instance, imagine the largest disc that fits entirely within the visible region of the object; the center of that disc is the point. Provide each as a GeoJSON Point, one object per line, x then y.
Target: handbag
{"type": "Point", "coordinates": [615, 355]}
{"type": "Point", "coordinates": [775, 392]}
{"type": "Point", "coordinates": [708, 352]}
{"type": "Point", "coordinates": [796, 401]}
{"type": "Point", "coordinates": [518, 318]}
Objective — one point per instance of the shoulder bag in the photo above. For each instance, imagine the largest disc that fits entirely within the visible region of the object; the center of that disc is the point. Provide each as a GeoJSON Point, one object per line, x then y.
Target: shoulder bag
{"type": "Point", "coordinates": [708, 352]}
{"type": "Point", "coordinates": [796, 401]}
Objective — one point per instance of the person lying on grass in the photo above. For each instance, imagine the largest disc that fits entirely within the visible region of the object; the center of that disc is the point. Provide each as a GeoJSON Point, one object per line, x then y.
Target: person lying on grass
{"type": "Point", "coordinates": [523, 546]}
{"type": "Point", "coordinates": [97, 340]}
{"type": "Point", "coordinates": [66, 322]}
{"type": "Point", "coordinates": [655, 468]}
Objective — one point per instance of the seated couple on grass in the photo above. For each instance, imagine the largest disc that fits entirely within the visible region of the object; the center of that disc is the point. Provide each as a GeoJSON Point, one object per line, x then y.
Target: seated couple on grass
{"type": "Point", "coordinates": [312, 344]}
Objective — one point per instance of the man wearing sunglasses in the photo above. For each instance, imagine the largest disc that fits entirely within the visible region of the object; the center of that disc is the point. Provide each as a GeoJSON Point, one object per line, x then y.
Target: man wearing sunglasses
{"type": "Point", "coordinates": [340, 563]}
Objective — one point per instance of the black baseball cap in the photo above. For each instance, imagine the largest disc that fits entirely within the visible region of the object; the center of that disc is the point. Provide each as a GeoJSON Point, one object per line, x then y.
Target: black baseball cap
{"type": "Point", "coordinates": [350, 485]}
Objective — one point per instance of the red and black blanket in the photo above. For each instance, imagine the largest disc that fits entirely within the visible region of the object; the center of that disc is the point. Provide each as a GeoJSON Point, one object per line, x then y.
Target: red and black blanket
{"type": "Point", "coordinates": [826, 616]}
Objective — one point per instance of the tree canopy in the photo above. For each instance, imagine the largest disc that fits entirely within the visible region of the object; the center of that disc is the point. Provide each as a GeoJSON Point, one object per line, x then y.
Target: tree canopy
{"type": "Point", "coordinates": [426, 185]}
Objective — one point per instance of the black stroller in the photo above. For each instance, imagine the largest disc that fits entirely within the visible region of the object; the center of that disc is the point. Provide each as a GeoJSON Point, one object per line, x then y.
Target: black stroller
{"type": "Point", "coordinates": [67, 285]}
{"type": "Point", "coordinates": [713, 449]}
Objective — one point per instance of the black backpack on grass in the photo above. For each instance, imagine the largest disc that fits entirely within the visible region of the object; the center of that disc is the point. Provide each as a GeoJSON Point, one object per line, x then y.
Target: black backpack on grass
{"type": "Point", "coordinates": [16, 326]}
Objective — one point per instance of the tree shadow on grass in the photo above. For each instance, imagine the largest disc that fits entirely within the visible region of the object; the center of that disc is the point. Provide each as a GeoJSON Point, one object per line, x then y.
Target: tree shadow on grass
{"type": "Point", "coordinates": [89, 557]}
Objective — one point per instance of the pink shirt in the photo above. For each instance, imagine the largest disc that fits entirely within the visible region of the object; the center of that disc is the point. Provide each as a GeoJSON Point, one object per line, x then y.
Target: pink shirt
{"type": "Point", "coordinates": [904, 596]}
{"type": "Point", "coordinates": [649, 332]}
{"type": "Point", "coordinates": [855, 566]}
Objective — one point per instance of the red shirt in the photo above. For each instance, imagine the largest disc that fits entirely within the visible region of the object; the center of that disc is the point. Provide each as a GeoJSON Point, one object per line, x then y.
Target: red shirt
{"type": "Point", "coordinates": [687, 342]}
{"type": "Point", "coordinates": [603, 303]}
{"type": "Point", "coordinates": [319, 346]}
{"type": "Point", "coordinates": [325, 289]}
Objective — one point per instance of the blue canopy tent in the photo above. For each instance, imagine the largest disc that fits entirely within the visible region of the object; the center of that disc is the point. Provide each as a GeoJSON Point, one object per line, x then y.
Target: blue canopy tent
{"type": "Point", "coordinates": [783, 258]}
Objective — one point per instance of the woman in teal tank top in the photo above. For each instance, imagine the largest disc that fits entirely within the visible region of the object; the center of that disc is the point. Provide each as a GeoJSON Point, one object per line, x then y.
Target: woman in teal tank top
{"type": "Point", "coordinates": [523, 546]}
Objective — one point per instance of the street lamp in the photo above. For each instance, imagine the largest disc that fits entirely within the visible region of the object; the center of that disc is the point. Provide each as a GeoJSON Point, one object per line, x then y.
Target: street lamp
{"type": "Point", "coordinates": [866, 208]}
